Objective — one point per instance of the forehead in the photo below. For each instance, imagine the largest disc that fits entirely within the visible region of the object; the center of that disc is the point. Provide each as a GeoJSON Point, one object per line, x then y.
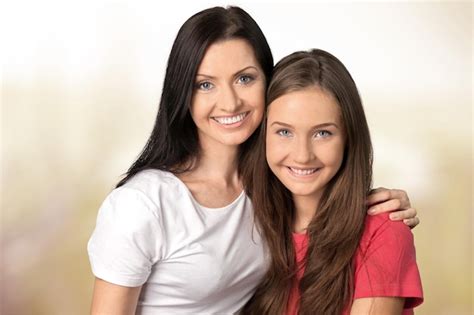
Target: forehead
{"type": "Point", "coordinates": [227, 55]}
{"type": "Point", "coordinates": [310, 106]}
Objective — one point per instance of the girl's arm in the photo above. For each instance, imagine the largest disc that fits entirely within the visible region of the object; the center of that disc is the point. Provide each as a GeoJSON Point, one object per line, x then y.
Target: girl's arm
{"type": "Point", "coordinates": [114, 299]}
{"type": "Point", "coordinates": [392, 200]}
{"type": "Point", "coordinates": [377, 306]}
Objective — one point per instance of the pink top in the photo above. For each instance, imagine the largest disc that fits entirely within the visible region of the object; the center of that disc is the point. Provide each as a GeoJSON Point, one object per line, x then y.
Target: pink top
{"type": "Point", "coordinates": [385, 264]}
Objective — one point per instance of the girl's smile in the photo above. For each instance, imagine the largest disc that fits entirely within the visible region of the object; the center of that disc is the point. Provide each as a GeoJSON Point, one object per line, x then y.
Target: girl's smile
{"type": "Point", "coordinates": [303, 173]}
{"type": "Point", "coordinates": [305, 140]}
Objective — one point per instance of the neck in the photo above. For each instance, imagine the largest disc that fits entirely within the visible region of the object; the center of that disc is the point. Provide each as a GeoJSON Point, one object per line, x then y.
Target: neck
{"type": "Point", "coordinates": [305, 207]}
{"type": "Point", "coordinates": [218, 163]}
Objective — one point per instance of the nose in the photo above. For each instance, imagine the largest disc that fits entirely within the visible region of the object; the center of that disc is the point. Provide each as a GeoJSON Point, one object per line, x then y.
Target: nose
{"type": "Point", "coordinates": [229, 99]}
{"type": "Point", "coordinates": [303, 151]}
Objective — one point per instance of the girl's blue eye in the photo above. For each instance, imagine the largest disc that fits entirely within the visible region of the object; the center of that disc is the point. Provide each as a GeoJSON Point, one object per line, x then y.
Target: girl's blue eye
{"type": "Point", "coordinates": [205, 86]}
{"type": "Point", "coordinates": [284, 133]}
{"type": "Point", "coordinates": [245, 79]}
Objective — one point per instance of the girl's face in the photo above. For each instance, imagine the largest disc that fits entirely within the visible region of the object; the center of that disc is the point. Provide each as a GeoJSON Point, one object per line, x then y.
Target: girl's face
{"type": "Point", "coordinates": [229, 94]}
{"type": "Point", "coordinates": [305, 140]}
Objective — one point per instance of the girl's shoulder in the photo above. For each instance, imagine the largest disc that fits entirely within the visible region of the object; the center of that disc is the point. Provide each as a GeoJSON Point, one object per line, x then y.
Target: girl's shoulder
{"type": "Point", "coordinates": [381, 224]}
{"type": "Point", "coordinates": [385, 262]}
{"type": "Point", "coordinates": [383, 234]}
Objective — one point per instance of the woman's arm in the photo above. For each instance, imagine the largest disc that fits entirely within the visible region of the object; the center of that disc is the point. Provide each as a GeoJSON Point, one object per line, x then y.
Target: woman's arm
{"type": "Point", "coordinates": [114, 299]}
{"type": "Point", "coordinates": [386, 200]}
{"type": "Point", "coordinates": [378, 306]}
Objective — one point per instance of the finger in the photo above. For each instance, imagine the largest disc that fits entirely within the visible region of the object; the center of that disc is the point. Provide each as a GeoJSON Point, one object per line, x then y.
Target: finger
{"type": "Point", "coordinates": [409, 213]}
{"type": "Point", "coordinates": [400, 194]}
{"type": "Point", "coordinates": [378, 195]}
{"type": "Point", "coordinates": [378, 189]}
{"type": "Point", "coordinates": [387, 206]}
{"type": "Point", "coordinates": [412, 222]}
{"type": "Point", "coordinates": [383, 195]}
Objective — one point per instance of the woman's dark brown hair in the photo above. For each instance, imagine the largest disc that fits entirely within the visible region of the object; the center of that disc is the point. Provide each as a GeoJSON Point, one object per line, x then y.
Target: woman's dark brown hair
{"type": "Point", "coordinates": [335, 230]}
{"type": "Point", "coordinates": [174, 143]}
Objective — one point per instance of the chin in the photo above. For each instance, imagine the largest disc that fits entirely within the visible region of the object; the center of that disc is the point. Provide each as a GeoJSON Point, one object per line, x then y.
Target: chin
{"type": "Point", "coordinates": [303, 190]}
{"type": "Point", "coordinates": [303, 193]}
{"type": "Point", "coordinates": [236, 139]}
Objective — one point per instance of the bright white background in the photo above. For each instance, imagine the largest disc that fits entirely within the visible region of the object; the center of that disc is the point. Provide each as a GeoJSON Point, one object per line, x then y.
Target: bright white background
{"type": "Point", "coordinates": [81, 81]}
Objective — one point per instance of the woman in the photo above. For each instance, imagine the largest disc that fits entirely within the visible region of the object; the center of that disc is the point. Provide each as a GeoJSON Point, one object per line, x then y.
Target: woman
{"type": "Point", "coordinates": [176, 235]}
{"type": "Point", "coordinates": [314, 165]}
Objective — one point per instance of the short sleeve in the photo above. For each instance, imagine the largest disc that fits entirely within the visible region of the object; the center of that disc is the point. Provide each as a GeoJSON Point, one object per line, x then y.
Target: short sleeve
{"type": "Point", "coordinates": [127, 238]}
{"type": "Point", "coordinates": [386, 262]}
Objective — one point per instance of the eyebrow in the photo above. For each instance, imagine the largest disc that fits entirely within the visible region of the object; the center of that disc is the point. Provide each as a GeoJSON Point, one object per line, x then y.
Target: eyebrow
{"type": "Point", "coordinates": [235, 74]}
{"type": "Point", "coordinates": [314, 127]}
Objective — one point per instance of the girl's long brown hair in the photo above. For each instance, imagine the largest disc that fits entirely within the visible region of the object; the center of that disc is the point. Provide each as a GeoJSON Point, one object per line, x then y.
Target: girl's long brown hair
{"type": "Point", "coordinates": [335, 230]}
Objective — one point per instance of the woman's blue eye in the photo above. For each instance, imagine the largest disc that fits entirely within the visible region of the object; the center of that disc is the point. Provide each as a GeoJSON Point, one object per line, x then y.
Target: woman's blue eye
{"type": "Point", "coordinates": [284, 133]}
{"type": "Point", "coordinates": [204, 86]}
{"type": "Point", "coordinates": [323, 134]}
{"type": "Point", "coordinates": [245, 79]}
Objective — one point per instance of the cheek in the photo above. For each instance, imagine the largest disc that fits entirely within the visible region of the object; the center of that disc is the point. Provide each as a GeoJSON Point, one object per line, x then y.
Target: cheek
{"type": "Point", "coordinates": [273, 150]}
{"type": "Point", "coordinates": [256, 97]}
{"type": "Point", "coordinates": [331, 153]}
{"type": "Point", "coordinates": [269, 150]}
{"type": "Point", "coordinates": [196, 105]}
{"type": "Point", "coordinates": [258, 113]}
{"type": "Point", "coordinates": [335, 156]}
{"type": "Point", "coordinates": [201, 105]}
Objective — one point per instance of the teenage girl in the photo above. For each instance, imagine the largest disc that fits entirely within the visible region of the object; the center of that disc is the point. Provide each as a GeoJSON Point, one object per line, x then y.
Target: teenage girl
{"type": "Point", "coordinates": [311, 174]}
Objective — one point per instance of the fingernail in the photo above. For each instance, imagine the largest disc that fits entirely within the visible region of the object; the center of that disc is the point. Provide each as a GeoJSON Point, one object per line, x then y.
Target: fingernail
{"type": "Point", "coordinates": [393, 216]}
{"type": "Point", "coordinates": [371, 211]}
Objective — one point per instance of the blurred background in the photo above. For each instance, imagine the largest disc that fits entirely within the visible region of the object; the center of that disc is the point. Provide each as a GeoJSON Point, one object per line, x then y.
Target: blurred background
{"type": "Point", "coordinates": [81, 81]}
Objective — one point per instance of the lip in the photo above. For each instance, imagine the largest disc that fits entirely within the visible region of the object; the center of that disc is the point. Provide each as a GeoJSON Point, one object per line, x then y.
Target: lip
{"type": "Point", "coordinates": [304, 173]}
{"type": "Point", "coordinates": [232, 125]}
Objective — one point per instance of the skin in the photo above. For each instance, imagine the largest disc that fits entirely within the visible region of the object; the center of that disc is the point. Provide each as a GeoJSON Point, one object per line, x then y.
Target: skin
{"type": "Point", "coordinates": [377, 306]}
{"type": "Point", "coordinates": [305, 148]}
{"type": "Point", "coordinates": [114, 299]}
{"type": "Point", "coordinates": [224, 89]}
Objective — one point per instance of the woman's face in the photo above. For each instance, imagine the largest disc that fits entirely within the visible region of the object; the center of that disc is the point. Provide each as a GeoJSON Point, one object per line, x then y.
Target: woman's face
{"type": "Point", "coordinates": [229, 94]}
{"type": "Point", "coordinates": [305, 140]}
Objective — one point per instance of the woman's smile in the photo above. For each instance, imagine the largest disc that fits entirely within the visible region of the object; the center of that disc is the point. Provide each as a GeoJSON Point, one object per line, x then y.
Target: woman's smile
{"type": "Point", "coordinates": [231, 121]}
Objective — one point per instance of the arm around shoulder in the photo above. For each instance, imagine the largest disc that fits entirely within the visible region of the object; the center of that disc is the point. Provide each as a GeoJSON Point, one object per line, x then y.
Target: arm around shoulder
{"type": "Point", "coordinates": [109, 298]}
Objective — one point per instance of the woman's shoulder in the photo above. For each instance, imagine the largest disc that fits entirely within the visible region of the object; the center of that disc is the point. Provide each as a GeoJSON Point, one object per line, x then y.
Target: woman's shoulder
{"type": "Point", "coordinates": [151, 182]}
{"type": "Point", "coordinates": [145, 190]}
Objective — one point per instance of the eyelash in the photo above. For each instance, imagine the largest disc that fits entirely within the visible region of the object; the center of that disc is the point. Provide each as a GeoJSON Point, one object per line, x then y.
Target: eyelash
{"type": "Point", "coordinates": [328, 133]}
{"type": "Point", "coordinates": [199, 85]}
{"type": "Point", "coordinates": [281, 131]}
{"type": "Point", "coordinates": [249, 78]}
{"type": "Point", "coordinates": [317, 134]}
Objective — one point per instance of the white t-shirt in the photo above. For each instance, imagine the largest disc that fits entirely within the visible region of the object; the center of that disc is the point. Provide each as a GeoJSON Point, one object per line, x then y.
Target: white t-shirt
{"type": "Point", "coordinates": [190, 259]}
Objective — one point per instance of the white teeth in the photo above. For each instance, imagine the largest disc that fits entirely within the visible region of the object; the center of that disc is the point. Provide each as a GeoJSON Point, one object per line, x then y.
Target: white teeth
{"type": "Point", "coordinates": [230, 120]}
{"type": "Point", "coordinates": [298, 171]}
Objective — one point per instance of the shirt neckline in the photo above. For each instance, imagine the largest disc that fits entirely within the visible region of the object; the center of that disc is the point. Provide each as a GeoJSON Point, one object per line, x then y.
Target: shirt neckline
{"type": "Point", "coordinates": [207, 209]}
